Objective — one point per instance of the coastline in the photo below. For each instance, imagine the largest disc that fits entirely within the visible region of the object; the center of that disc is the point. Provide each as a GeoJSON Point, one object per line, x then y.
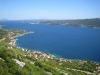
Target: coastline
{"type": "Point", "coordinates": [45, 57]}
{"type": "Point", "coordinates": [20, 36]}
{"type": "Point", "coordinates": [49, 55]}
{"type": "Point", "coordinates": [40, 52]}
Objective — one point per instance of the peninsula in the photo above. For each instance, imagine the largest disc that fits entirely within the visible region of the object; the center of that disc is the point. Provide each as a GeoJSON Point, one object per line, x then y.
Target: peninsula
{"type": "Point", "coordinates": [90, 23]}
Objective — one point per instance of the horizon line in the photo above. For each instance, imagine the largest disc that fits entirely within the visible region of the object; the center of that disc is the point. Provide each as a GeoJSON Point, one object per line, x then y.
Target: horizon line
{"type": "Point", "coordinates": [47, 19]}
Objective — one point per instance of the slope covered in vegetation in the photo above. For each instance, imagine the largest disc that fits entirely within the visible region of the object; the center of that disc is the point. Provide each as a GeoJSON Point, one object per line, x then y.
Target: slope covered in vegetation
{"type": "Point", "coordinates": [91, 23]}
{"type": "Point", "coordinates": [15, 61]}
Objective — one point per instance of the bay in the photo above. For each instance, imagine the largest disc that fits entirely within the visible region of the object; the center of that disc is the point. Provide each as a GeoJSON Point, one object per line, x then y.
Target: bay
{"type": "Point", "coordinates": [62, 41]}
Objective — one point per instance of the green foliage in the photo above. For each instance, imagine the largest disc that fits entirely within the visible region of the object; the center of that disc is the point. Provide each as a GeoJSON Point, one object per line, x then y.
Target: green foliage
{"type": "Point", "coordinates": [3, 68]}
{"type": "Point", "coordinates": [89, 66]}
{"type": "Point", "coordinates": [33, 70]}
{"type": "Point", "coordinates": [3, 33]}
{"type": "Point", "coordinates": [47, 68]}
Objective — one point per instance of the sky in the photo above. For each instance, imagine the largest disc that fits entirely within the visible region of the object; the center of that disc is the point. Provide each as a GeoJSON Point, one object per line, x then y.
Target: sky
{"type": "Point", "coordinates": [49, 9]}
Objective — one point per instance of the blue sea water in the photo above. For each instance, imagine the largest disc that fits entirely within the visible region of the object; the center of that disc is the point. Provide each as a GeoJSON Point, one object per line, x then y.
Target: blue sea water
{"type": "Point", "coordinates": [62, 41]}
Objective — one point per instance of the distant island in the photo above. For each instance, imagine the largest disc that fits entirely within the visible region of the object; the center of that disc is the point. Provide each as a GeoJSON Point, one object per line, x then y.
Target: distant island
{"type": "Point", "coordinates": [90, 23]}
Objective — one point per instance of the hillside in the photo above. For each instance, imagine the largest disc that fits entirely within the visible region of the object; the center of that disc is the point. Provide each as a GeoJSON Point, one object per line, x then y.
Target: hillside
{"type": "Point", "coordinates": [17, 61]}
{"type": "Point", "coordinates": [91, 23]}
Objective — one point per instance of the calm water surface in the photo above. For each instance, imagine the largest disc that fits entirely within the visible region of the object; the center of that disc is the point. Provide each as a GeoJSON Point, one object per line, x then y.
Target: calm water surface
{"type": "Point", "coordinates": [62, 41]}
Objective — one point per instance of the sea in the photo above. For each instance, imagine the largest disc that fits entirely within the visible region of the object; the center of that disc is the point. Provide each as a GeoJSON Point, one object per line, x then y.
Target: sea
{"type": "Point", "coordinates": [77, 43]}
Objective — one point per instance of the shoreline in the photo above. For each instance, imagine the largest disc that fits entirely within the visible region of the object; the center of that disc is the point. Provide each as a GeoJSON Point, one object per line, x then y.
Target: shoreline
{"type": "Point", "coordinates": [13, 43]}
{"type": "Point", "coordinates": [24, 49]}
{"type": "Point", "coordinates": [56, 57]}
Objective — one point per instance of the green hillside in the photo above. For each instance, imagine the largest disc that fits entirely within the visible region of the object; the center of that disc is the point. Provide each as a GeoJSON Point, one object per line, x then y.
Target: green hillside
{"type": "Point", "coordinates": [17, 61]}
{"type": "Point", "coordinates": [91, 23]}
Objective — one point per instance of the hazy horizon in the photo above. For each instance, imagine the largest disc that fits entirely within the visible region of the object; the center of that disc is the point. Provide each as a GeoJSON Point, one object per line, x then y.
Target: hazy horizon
{"type": "Point", "coordinates": [47, 19]}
